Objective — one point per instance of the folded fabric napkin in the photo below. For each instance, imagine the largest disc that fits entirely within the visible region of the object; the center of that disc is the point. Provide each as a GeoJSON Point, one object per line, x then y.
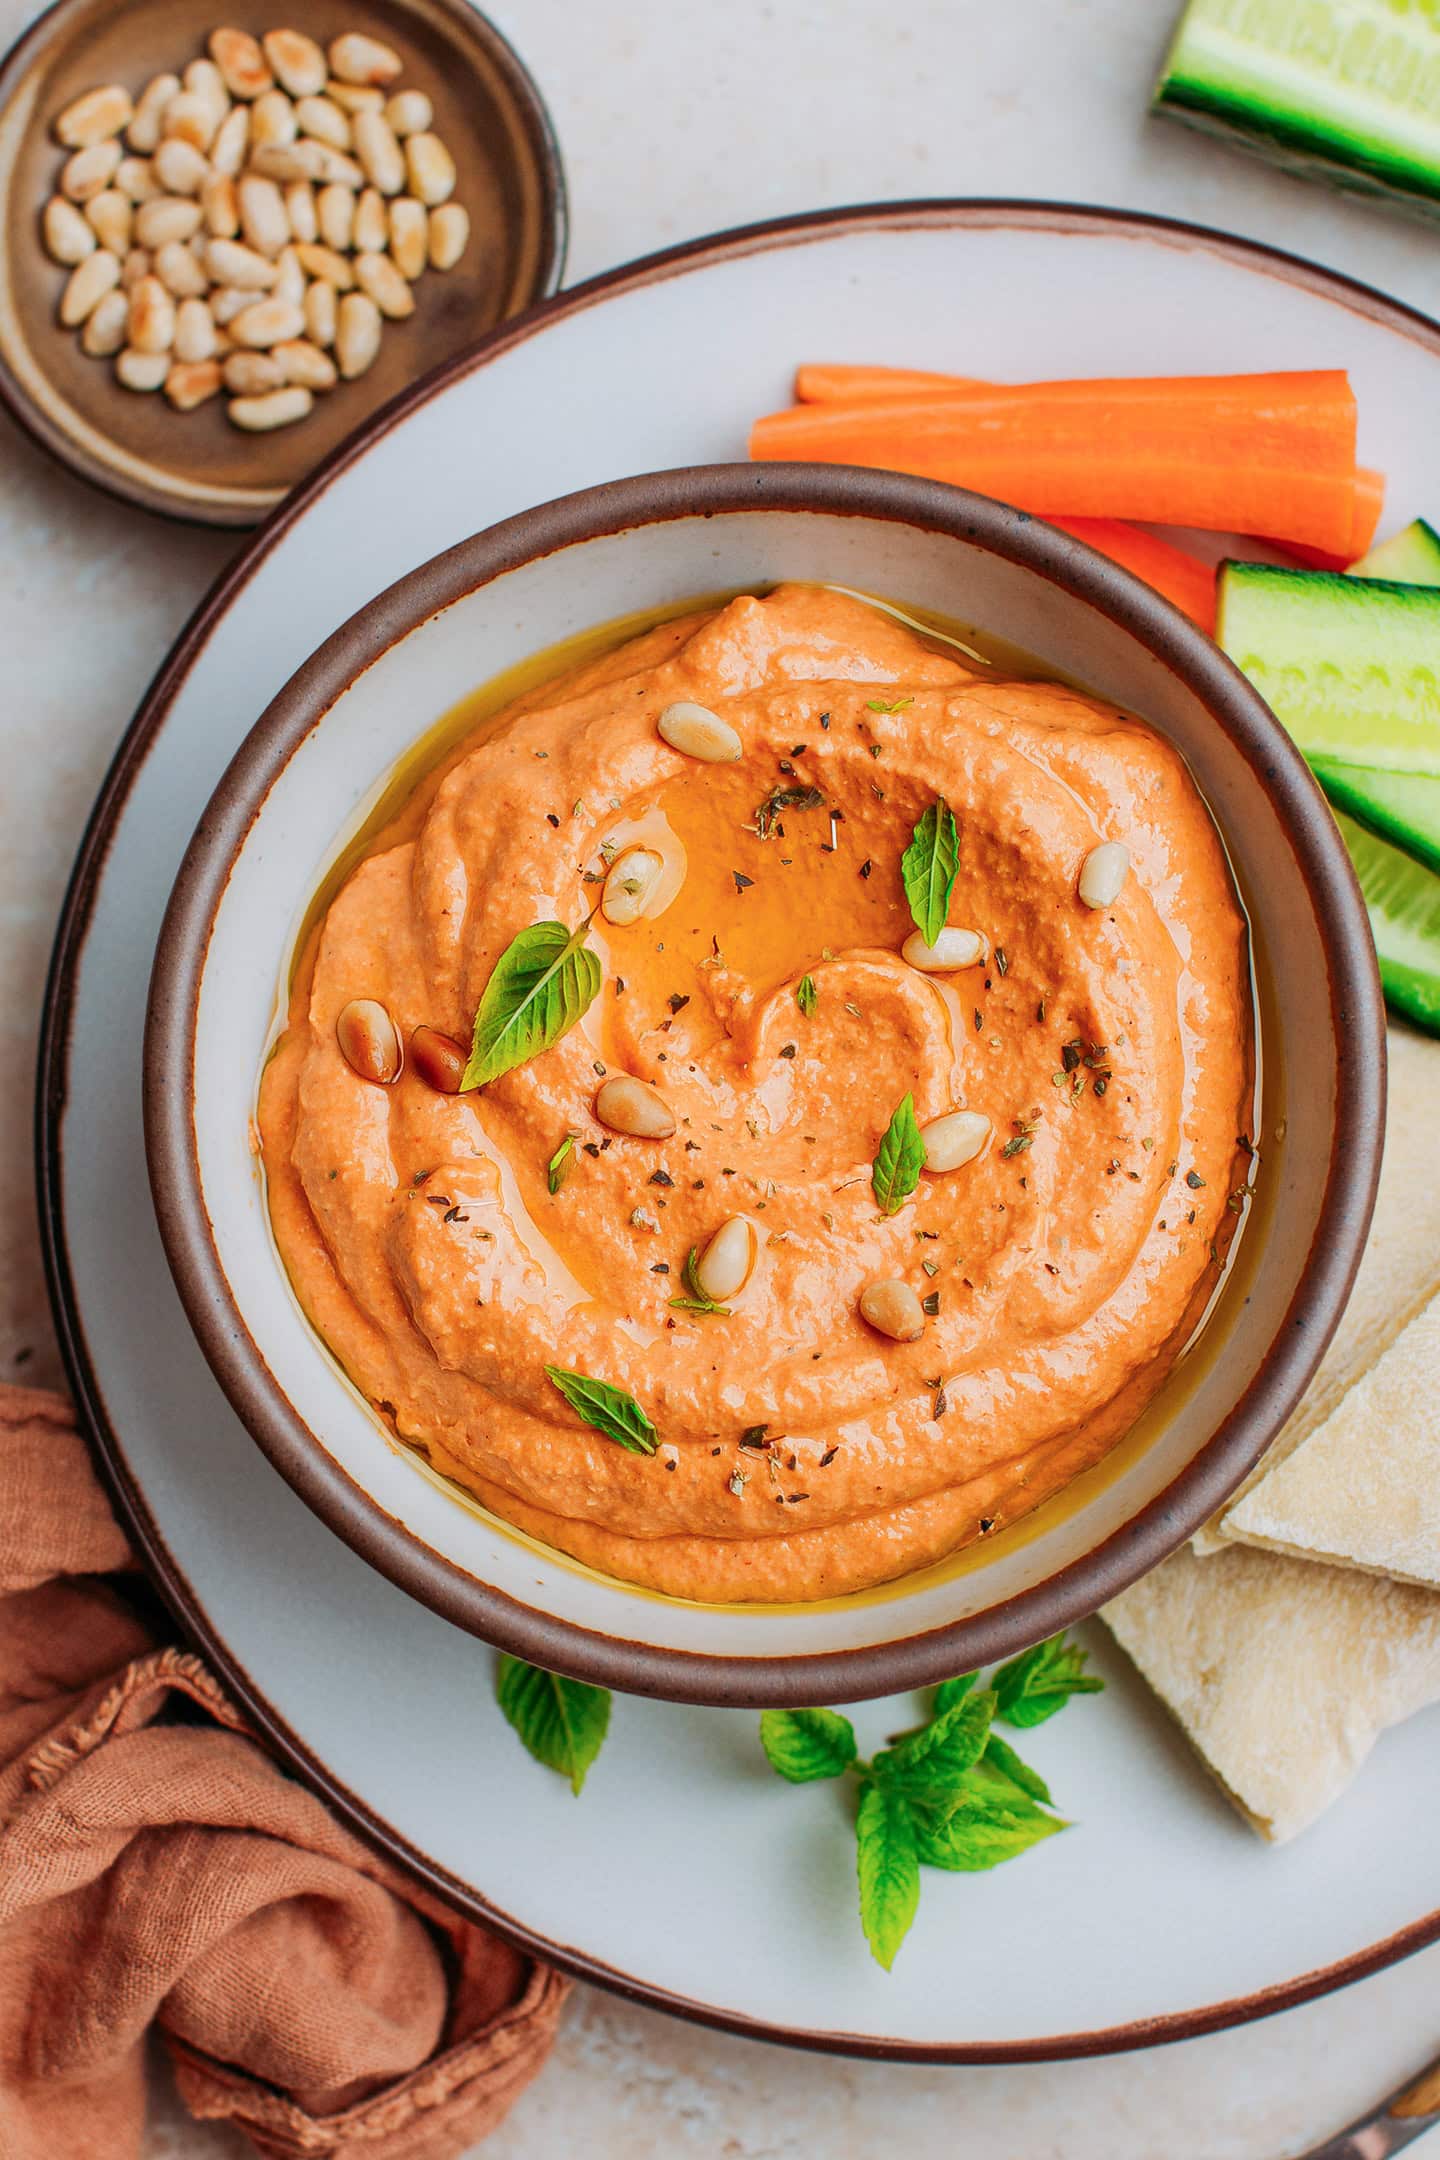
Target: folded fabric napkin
{"type": "Point", "coordinates": [157, 1867]}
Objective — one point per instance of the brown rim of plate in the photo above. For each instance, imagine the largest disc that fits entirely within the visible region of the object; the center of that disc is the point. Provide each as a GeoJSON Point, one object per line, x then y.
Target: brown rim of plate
{"type": "Point", "coordinates": [105, 1438]}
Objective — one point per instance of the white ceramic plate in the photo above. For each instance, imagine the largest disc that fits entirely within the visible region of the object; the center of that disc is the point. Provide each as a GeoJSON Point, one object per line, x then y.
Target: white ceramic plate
{"type": "Point", "coordinates": [687, 1874]}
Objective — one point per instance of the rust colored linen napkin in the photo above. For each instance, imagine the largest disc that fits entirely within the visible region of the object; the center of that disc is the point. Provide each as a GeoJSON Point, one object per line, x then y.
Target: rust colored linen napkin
{"type": "Point", "coordinates": [157, 1867]}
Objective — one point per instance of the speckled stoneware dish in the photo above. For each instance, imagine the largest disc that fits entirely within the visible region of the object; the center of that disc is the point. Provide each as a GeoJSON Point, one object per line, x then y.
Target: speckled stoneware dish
{"type": "Point", "coordinates": [197, 465]}
{"type": "Point", "coordinates": [352, 712]}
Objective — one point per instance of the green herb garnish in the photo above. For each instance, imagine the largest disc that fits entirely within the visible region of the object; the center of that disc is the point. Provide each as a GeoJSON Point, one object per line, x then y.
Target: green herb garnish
{"type": "Point", "coordinates": [781, 799]}
{"type": "Point", "coordinates": [561, 1162]}
{"type": "Point", "coordinates": [898, 704]}
{"type": "Point", "coordinates": [541, 984]}
{"type": "Point", "coordinates": [609, 1410]}
{"type": "Point", "coordinates": [807, 997]}
{"type": "Point", "coordinates": [928, 868]}
{"type": "Point", "coordinates": [696, 1299]}
{"type": "Point", "coordinates": [562, 1722]}
{"type": "Point", "coordinates": [899, 1159]}
{"type": "Point", "coordinates": [1033, 1687]}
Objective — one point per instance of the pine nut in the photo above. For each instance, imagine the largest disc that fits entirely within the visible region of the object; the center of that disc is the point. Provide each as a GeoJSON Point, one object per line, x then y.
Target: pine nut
{"type": "Point", "coordinates": [169, 217]}
{"type": "Point", "coordinates": [190, 382]}
{"type": "Point", "coordinates": [268, 322]}
{"type": "Point", "coordinates": [220, 205]}
{"type": "Point", "coordinates": [281, 408]}
{"type": "Point", "coordinates": [272, 120]}
{"type": "Point", "coordinates": [251, 374]}
{"type": "Point", "coordinates": [296, 61]}
{"type": "Point", "coordinates": [143, 132]}
{"type": "Point", "coordinates": [331, 166]}
{"type": "Point", "coordinates": [306, 363]}
{"type": "Point", "coordinates": [630, 885]}
{"type": "Point", "coordinates": [87, 286]}
{"type": "Point", "coordinates": [409, 112]}
{"type": "Point", "coordinates": [369, 1042]}
{"type": "Point", "coordinates": [241, 62]}
{"type": "Point", "coordinates": [152, 317]}
{"type": "Point", "coordinates": [378, 276]}
{"type": "Point", "coordinates": [954, 1140]}
{"type": "Point", "coordinates": [356, 97]}
{"type": "Point", "coordinates": [358, 59]}
{"type": "Point", "coordinates": [262, 214]}
{"type": "Point", "coordinates": [289, 278]}
{"type": "Point", "coordinates": [203, 80]}
{"type": "Point", "coordinates": [69, 237]}
{"type": "Point", "coordinates": [893, 1309]}
{"type": "Point", "coordinates": [194, 332]}
{"type": "Point", "coordinates": [113, 216]}
{"type": "Point", "coordinates": [180, 168]}
{"type": "Point", "coordinates": [190, 119]}
{"type": "Point", "coordinates": [438, 1060]}
{"type": "Point", "coordinates": [631, 1106]}
{"type": "Point", "coordinates": [88, 172]}
{"type": "Point", "coordinates": [94, 118]}
{"type": "Point", "coordinates": [357, 334]}
{"type": "Point", "coordinates": [134, 179]}
{"type": "Point", "coordinates": [320, 312]}
{"type": "Point", "coordinates": [141, 370]}
{"type": "Point", "coordinates": [335, 211]}
{"type": "Point", "coordinates": [409, 236]}
{"type": "Point", "coordinates": [372, 227]}
{"type": "Point", "coordinates": [228, 301]}
{"type": "Point", "coordinates": [232, 141]}
{"type": "Point", "coordinates": [137, 264]}
{"type": "Point", "coordinates": [952, 949]}
{"type": "Point", "coordinates": [323, 118]}
{"type": "Point", "coordinates": [229, 263]}
{"type": "Point", "coordinates": [326, 264]}
{"type": "Point", "coordinates": [106, 325]}
{"type": "Point", "coordinates": [727, 1262]}
{"type": "Point", "coordinates": [380, 156]}
{"type": "Point", "coordinates": [179, 272]}
{"type": "Point", "coordinates": [430, 167]}
{"type": "Point", "coordinates": [287, 163]}
{"type": "Point", "coordinates": [1103, 873]}
{"type": "Point", "coordinates": [449, 235]}
{"type": "Point", "coordinates": [300, 209]}
{"type": "Point", "coordinates": [697, 732]}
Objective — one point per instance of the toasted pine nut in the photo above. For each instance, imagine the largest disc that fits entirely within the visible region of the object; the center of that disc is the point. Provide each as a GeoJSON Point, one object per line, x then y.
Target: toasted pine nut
{"type": "Point", "coordinates": [203, 80]}
{"type": "Point", "coordinates": [180, 168]}
{"type": "Point", "coordinates": [296, 61]}
{"type": "Point", "coordinates": [272, 120]}
{"type": "Point", "coordinates": [372, 228]}
{"type": "Point", "coordinates": [320, 312]}
{"type": "Point", "coordinates": [232, 142]}
{"type": "Point", "coordinates": [409, 236]}
{"type": "Point", "coordinates": [697, 732]}
{"type": "Point", "coordinates": [220, 204]}
{"type": "Point", "coordinates": [330, 267]}
{"type": "Point", "coordinates": [179, 272]}
{"type": "Point", "coordinates": [69, 237]}
{"type": "Point", "coordinates": [229, 263]}
{"type": "Point", "coordinates": [431, 168]}
{"type": "Point", "coordinates": [228, 301]}
{"type": "Point", "coordinates": [1103, 873]}
{"type": "Point", "coordinates": [241, 62]}
{"type": "Point", "coordinates": [358, 59]}
{"type": "Point", "coordinates": [152, 317]}
{"type": "Point", "coordinates": [300, 209]}
{"type": "Point", "coordinates": [190, 119]}
{"type": "Point", "coordinates": [262, 214]}
{"type": "Point", "coordinates": [952, 949]}
{"type": "Point", "coordinates": [409, 112]}
{"type": "Point", "coordinates": [251, 374]}
{"type": "Point", "coordinates": [630, 885]}
{"type": "Point", "coordinates": [106, 325]}
{"type": "Point", "coordinates": [289, 278]}
{"type": "Point", "coordinates": [137, 264]}
{"type": "Point", "coordinates": [728, 1261]}
{"type": "Point", "coordinates": [190, 382]}
{"type": "Point", "coordinates": [306, 363]}
{"type": "Point", "coordinates": [89, 172]}
{"type": "Point", "coordinates": [94, 118]}
{"type": "Point", "coordinates": [357, 334]}
{"type": "Point", "coordinates": [327, 165]}
{"type": "Point", "coordinates": [143, 132]}
{"type": "Point", "coordinates": [268, 322]}
{"type": "Point", "coordinates": [281, 408]}
{"type": "Point", "coordinates": [325, 120]}
{"type": "Point", "coordinates": [113, 216]}
{"type": "Point", "coordinates": [356, 97]}
{"type": "Point", "coordinates": [378, 276]}
{"type": "Point", "coordinates": [141, 370]}
{"type": "Point", "coordinates": [628, 1105]}
{"type": "Point", "coordinates": [169, 217]}
{"type": "Point", "coordinates": [286, 162]}
{"type": "Point", "coordinates": [449, 235]}
{"type": "Point", "coordinates": [194, 331]}
{"type": "Point", "coordinates": [893, 1309]}
{"type": "Point", "coordinates": [134, 178]}
{"type": "Point", "coordinates": [379, 153]}
{"type": "Point", "coordinates": [87, 285]}
{"type": "Point", "coordinates": [369, 1042]}
{"type": "Point", "coordinates": [438, 1060]}
{"type": "Point", "coordinates": [335, 211]}
{"type": "Point", "coordinates": [953, 1140]}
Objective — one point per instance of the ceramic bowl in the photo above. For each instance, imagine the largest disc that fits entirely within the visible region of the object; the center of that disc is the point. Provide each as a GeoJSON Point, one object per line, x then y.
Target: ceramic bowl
{"type": "Point", "coordinates": [328, 742]}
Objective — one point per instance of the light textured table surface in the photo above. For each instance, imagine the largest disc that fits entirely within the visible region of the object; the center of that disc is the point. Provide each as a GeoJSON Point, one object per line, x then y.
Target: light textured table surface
{"type": "Point", "coordinates": [674, 121]}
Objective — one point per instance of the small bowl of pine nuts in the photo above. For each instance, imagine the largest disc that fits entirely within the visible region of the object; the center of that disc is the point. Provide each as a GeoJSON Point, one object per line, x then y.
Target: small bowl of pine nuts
{"type": "Point", "coordinates": [225, 240]}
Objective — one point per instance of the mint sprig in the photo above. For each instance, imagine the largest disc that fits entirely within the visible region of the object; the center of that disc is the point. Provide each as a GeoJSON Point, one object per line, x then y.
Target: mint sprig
{"type": "Point", "coordinates": [928, 868]}
{"type": "Point", "coordinates": [807, 997]}
{"type": "Point", "coordinates": [806, 1744]}
{"type": "Point", "coordinates": [562, 1722]}
{"type": "Point", "coordinates": [899, 1159]}
{"type": "Point", "coordinates": [1032, 1687]}
{"type": "Point", "coordinates": [887, 1863]}
{"type": "Point", "coordinates": [541, 984]}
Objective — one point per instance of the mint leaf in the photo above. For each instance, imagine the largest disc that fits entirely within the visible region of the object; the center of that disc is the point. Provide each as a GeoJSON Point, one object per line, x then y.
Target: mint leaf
{"type": "Point", "coordinates": [985, 1825]}
{"type": "Point", "coordinates": [696, 1299]}
{"type": "Point", "coordinates": [559, 1166]}
{"type": "Point", "coordinates": [562, 1722]}
{"type": "Point", "coordinates": [1001, 1759]}
{"type": "Point", "coordinates": [608, 1409]}
{"type": "Point", "coordinates": [541, 984]}
{"type": "Point", "coordinates": [807, 997]}
{"type": "Point", "coordinates": [888, 1868]}
{"type": "Point", "coordinates": [899, 1159]}
{"type": "Point", "coordinates": [807, 1744]}
{"type": "Point", "coordinates": [928, 868]}
{"type": "Point", "coordinates": [1041, 1681]}
{"type": "Point", "coordinates": [949, 1692]}
{"type": "Point", "coordinates": [930, 1764]}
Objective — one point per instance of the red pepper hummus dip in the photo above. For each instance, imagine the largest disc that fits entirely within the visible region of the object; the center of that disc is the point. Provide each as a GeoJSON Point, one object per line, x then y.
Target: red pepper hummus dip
{"type": "Point", "coordinates": [791, 1241]}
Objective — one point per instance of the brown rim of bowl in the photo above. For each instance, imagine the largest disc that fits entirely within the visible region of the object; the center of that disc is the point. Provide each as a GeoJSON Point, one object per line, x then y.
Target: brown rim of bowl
{"type": "Point", "coordinates": [544, 147]}
{"type": "Point", "coordinates": [1156, 1530]}
{"type": "Point", "coordinates": [102, 1430]}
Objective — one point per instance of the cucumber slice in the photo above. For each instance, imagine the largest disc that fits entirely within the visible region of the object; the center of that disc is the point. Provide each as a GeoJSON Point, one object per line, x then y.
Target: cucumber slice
{"type": "Point", "coordinates": [1402, 807]}
{"type": "Point", "coordinates": [1412, 557]}
{"type": "Point", "coordinates": [1350, 665]}
{"type": "Point", "coordinates": [1402, 899]}
{"type": "Point", "coordinates": [1351, 84]}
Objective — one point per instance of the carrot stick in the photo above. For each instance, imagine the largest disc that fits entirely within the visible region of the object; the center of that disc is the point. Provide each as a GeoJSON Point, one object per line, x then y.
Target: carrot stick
{"type": "Point", "coordinates": [816, 385]}
{"type": "Point", "coordinates": [1369, 502]}
{"type": "Point", "coordinates": [1239, 453]}
{"type": "Point", "coordinates": [1180, 577]}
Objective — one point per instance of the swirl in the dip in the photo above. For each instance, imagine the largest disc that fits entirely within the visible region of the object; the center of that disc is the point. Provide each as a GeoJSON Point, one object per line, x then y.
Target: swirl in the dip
{"type": "Point", "coordinates": [804, 1449]}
